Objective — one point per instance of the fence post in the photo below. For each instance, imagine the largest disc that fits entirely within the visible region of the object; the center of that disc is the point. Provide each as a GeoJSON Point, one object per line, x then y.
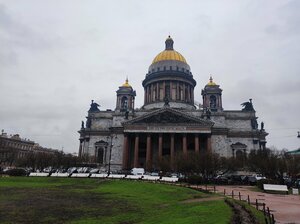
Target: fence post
{"type": "Point", "coordinates": [224, 192]}
{"type": "Point", "coordinates": [266, 220]}
{"type": "Point", "coordinates": [269, 215]}
{"type": "Point", "coordinates": [273, 219]}
{"type": "Point", "coordinates": [239, 195]}
{"type": "Point", "coordinates": [256, 203]}
{"type": "Point", "coordinates": [264, 208]}
{"type": "Point", "coordinates": [232, 194]}
{"type": "Point", "coordinates": [214, 188]}
{"type": "Point", "coordinates": [248, 198]}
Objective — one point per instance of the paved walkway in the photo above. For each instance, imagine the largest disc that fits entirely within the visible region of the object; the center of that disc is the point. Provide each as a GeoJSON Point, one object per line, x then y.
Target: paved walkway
{"type": "Point", "coordinates": [286, 208]}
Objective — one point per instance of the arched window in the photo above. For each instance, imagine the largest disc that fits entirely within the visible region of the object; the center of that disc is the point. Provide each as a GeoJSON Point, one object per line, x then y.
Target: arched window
{"type": "Point", "coordinates": [212, 101]}
{"type": "Point", "coordinates": [124, 103]}
{"type": "Point", "coordinates": [100, 152]}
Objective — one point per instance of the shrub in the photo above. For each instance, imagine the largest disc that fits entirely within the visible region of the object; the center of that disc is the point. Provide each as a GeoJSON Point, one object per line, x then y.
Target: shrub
{"type": "Point", "coordinates": [194, 179]}
{"type": "Point", "coordinates": [260, 183]}
{"type": "Point", "coordinates": [16, 172]}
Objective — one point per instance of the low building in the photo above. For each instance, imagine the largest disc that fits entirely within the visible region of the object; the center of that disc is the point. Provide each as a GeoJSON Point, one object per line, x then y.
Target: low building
{"type": "Point", "coordinates": [13, 147]}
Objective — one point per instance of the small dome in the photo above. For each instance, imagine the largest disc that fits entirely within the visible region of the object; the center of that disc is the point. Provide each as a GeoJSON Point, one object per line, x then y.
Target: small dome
{"type": "Point", "coordinates": [211, 82]}
{"type": "Point", "coordinates": [126, 84]}
{"type": "Point", "coordinates": [169, 54]}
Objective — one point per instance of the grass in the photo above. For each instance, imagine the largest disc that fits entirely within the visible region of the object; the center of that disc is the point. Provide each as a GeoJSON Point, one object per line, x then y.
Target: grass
{"type": "Point", "coordinates": [259, 215]}
{"type": "Point", "coordinates": [67, 200]}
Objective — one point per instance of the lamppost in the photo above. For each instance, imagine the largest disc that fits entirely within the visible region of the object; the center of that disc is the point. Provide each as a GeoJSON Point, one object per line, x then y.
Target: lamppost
{"type": "Point", "coordinates": [110, 149]}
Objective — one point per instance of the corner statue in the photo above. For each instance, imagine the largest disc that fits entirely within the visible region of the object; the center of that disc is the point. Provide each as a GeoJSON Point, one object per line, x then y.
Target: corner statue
{"type": "Point", "coordinates": [94, 107]}
{"type": "Point", "coordinates": [248, 106]}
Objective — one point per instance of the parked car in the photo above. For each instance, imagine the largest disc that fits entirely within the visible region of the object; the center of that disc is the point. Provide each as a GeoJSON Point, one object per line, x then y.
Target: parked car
{"type": "Point", "coordinates": [254, 178]}
{"type": "Point", "coordinates": [138, 171]}
{"type": "Point", "coordinates": [72, 170]}
{"type": "Point", "coordinates": [156, 174]}
{"type": "Point", "coordinates": [220, 179]}
{"type": "Point", "coordinates": [95, 170]}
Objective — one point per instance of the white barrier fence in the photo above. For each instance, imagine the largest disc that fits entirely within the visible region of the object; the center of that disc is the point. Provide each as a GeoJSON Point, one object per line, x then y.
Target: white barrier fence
{"type": "Point", "coordinates": [80, 175]}
{"type": "Point", "coordinates": [98, 175]}
{"type": "Point", "coordinates": [151, 178]}
{"type": "Point", "coordinates": [169, 179]}
{"type": "Point", "coordinates": [133, 177]}
{"type": "Point", "coordinates": [39, 174]}
{"type": "Point", "coordinates": [111, 176]}
{"type": "Point", "coordinates": [116, 176]}
{"type": "Point", "coordinates": [59, 175]}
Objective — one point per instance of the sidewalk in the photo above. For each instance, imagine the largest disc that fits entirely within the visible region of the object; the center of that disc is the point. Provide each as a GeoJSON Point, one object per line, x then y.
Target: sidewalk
{"type": "Point", "coordinates": [286, 208]}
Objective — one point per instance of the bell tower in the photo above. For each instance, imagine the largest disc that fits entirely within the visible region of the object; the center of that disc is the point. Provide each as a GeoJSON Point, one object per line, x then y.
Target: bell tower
{"type": "Point", "coordinates": [125, 97]}
{"type": "Point", "coordinates": [212, 96]}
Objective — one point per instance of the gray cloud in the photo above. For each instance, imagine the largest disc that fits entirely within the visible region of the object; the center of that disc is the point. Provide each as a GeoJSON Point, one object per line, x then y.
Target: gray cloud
{"type": "Point", "coordinates": [56, 56]}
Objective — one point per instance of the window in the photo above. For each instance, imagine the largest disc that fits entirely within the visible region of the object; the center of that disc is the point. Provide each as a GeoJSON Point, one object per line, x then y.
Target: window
{"type": "Point", "coordinates": [212, 101]}
{"type": "Point", "coordinates": [124, 103]}
{"type": "Point", "coordinates": [100, 153]}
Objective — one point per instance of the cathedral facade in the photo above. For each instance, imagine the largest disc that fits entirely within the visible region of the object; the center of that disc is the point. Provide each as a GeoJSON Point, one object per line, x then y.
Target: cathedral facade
{"type": "Point", "coordinates": [168, 124]}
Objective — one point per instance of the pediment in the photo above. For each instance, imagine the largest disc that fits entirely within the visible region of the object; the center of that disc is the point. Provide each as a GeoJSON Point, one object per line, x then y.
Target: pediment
{"type": "Point", "coordinates": [169, 116]}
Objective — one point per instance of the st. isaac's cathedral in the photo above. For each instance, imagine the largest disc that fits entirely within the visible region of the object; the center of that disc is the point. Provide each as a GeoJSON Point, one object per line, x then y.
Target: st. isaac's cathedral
{"type": "Point", "coordinates": [169, 123]}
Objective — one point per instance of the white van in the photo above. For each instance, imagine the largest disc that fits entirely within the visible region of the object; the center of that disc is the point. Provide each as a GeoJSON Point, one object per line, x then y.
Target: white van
{"type": "Point", "coordinates": [138, 171]}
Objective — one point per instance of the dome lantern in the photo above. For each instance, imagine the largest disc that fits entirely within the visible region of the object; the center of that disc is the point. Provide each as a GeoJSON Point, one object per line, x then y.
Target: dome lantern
{"type": "Point", "coordinates": [169, 43]}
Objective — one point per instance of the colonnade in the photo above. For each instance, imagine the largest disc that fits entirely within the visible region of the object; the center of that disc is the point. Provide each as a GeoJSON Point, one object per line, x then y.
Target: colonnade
{"type": "Point", "coordinates": [154, 143]}
{"type": "Point", "coordinates": [175, 90]}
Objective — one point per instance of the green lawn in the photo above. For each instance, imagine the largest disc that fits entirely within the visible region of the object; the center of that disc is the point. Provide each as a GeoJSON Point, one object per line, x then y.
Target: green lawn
{"type": "Point", "coordinates": [67, 200]}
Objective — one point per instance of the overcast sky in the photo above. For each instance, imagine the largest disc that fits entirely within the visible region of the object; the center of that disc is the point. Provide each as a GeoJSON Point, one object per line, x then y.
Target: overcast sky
{"type": "Point", "coordinates": [58, 55]}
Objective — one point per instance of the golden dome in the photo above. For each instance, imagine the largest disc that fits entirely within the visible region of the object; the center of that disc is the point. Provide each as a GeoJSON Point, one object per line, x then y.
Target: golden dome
{"type": "Point", "coordinates": [126, 84]}
{"type": "Point", "coordinates": [169, 53]}
{"type": "Point", "coordinates": [211, 82]}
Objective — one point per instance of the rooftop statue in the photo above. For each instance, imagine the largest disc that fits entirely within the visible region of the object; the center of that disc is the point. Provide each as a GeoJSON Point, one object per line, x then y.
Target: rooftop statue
{"type": "Point", "coordinates": [248, 106]}
{"type": "Point", "coordinates": [94, 107]}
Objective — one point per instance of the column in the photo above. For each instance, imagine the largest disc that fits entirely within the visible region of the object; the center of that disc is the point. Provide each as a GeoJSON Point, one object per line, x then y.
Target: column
{"type": "Point", "coordinates": [80, 150]}
{"type": "Point", "coordinates": [208, 144]}
{"type": "Point", "coordinates": [157, 91]}
{"type": "Point", "coordinates": [149, 93]}
{"type": "Point", "coordinates": [172, 152]}
{"type": "Point", "coordinates": [183, 92]}
{"type": "Point", "coordinates": [148, 153]}
{"type": "Point", "coordinates": [196, 143]}
{"type": "Point", "coordinates": [95, 156]}
{"type": "Point", "coordinates": [192, 92]}
{"type": "Point", "coordinates": [160, 147]}
{"type": "Point", "coordinates": [164, 90]}
{"type": "Point", "coordinates": [184, 145]}
{"type": "Point", "coordinates": [152, 92]}
{"type": "Point", "coordinates": [177, 91]}
{"type": "Point", "coordinates": [129, 104]}
{"type": "Point", "coordinates": [125, 153]}
{"type": "Point", "coordinates": [136, 151]}
{"type": "Point", "coordinates": [145, 96]}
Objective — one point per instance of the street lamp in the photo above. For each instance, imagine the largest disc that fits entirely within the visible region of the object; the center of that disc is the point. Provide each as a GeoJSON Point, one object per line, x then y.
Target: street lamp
{"type": "Point", "coordinates": [110, 149]}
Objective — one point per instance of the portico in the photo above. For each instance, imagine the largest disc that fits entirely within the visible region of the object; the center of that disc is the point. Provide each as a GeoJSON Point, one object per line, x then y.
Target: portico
{"type": "Point", "coordinates": [147, 143]}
